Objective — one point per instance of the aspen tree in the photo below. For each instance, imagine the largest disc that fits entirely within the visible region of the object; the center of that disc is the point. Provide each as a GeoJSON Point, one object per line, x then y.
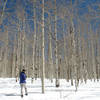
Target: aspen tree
{"type": "Point", "coordinates": [65, 56]}
{"type": "Point", "coordinates": [23, 48]}
{"type": "Point", "coordinates": [50, 61]}
{"type": "Point", "coordinates": [73, 62]}
{"type": "Point", "coordinates": [1, 59]}
{"type": "Point", "coordinates": [6, 55]}
{"type": "Point", "coordinates": [97, 56]}
{"type": "Point", "coordinates": [0, 54]}
{"type": "Point", "coordinates": [84, 59]}
{"type": "Point", "coordinates": [43, 46]}
{"type": "Point", "coordinates": [71, 48]}
{"type": "Point", "coordinates": [88, 50]}
{"type": "Point", "coordinates": [34, 41]}
{"type": "Point", "coordinates": [78, 58]}
{"type": "Point", "coordinates": [39, 51]}
{"type": "Point", "coordinates": [37, 57]}
{"type": "Point", "coordinates": [18, 53]}
{"type": "Point", "coordinates": [93, 54]}
{"type": "Point", "coordinates": [56, 49]}
{"type": "Point", "coordinates": [14, 58]}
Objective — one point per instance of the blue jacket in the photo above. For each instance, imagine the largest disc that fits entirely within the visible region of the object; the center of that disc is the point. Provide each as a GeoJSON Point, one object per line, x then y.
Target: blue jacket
{"type": "Point", "coordinates": [22, 77]}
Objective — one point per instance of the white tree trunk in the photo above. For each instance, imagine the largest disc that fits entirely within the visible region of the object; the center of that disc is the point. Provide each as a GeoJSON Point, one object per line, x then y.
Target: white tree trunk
{"type": "Point", "coordinates": [43, 46]}
{"type": "Point", "coordinates": [14, 58]}
{"type": "Point", "coordinates": [56, 49]}
{"type": "Point", "coordinates": [50, 51]}
{"type": "Point", "coordinates": [34, 42]}
{"type": "Point", "coordinates": [93, 58]}
{"type": "Point", "coordinates": [65, 55]}
{"type": "Point", "coordinates": [6, 56]}
{"type": "Point", "coordinates": [18, 53]}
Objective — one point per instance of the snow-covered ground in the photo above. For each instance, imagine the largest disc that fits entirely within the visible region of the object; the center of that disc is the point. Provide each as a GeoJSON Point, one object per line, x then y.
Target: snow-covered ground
{"type": "Point", "coordinates": [10, 90]}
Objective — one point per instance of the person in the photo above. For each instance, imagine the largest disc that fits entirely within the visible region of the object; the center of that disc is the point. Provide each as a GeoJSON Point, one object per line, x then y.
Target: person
{"type": "Point", "coordinates": [23, 82]}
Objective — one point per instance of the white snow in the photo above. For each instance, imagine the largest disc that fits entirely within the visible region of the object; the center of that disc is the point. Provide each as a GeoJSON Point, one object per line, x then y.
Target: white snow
{"type": "Point", "coordinates": [10, 90]}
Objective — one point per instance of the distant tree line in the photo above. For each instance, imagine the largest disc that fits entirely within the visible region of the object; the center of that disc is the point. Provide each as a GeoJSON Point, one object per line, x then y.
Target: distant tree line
{"type": "Point", "coordinates": [59, 45]}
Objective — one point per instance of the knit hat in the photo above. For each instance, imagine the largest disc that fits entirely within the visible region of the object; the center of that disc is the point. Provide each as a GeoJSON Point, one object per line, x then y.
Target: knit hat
{"type": "Point", "coordinates": [23, 70]}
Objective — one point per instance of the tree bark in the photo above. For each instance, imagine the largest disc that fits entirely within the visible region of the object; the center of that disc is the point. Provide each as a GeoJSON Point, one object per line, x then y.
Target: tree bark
{"type": "Point", "coordinates": [43, 46]}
